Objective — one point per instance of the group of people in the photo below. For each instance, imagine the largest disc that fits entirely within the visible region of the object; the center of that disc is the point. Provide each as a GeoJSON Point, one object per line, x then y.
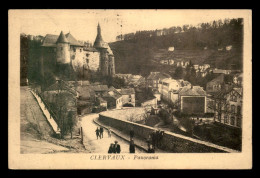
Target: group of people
{"type": "Point", "coordinates": [114, 148]}
{"type": "Point", "coordinates": [155, 139]}
{"type": "Point", "coordinates": [99, 132]}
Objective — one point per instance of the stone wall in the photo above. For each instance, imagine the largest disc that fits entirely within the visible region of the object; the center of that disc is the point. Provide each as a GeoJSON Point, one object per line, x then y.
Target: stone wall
{"type": "Point", "coordinates": [171, 142]}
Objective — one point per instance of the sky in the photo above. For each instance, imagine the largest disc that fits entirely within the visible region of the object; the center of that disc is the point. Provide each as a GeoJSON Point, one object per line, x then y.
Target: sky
{"type": "Point", "coordinates": [82, 24]}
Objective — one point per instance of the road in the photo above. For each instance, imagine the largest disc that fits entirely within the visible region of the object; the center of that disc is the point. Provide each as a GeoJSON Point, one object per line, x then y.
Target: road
{"type": "Point", "coordinates": [100, 145]}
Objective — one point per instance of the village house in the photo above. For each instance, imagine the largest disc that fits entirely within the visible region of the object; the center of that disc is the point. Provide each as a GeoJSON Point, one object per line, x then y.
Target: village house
{"type": "Point", "coordinates": [219, 83]}
{"type": "Point", "coordinates": [221, 71]}
{"type": "Point", "coordinates": [113, 98]}
{"type": "Point", "coordinates": [238, 79]}
{"type": "Point", "coordinates": [128, 96]}
{"type": "Point", "coordinates": [154, 78]}
{"type": "Point", "coordinates": [196, 66]}
{"type": "Point", "coordinates": [192, 100]}
{"type": "Point", "coordinates": [167, 85]}
{"type": "Point", "coordinates": [98, 89]}
{"type": "Point", "coordinates": [228, 107]}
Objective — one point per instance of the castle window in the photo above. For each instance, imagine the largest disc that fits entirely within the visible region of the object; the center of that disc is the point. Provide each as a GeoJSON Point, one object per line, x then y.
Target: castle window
{"type": "Point", "coordinates": [80, 50]}
{"type": "Point", "coordinates": [74, 49]}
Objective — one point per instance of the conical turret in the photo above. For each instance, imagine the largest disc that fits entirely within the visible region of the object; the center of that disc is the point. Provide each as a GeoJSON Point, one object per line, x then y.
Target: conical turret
{"type": "Point", "coordinates": [62, 38]}
{"type": "Point", "coordinates": [99, 42]}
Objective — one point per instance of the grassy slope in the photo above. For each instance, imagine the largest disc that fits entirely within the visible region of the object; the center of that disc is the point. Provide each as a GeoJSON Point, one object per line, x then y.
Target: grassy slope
{"type": "Point", "coordinates": [136, 57]}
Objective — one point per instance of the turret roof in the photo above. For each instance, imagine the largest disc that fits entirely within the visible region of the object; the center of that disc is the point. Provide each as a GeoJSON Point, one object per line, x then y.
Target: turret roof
{"type": "Point", "coordinates": [99, 42]}
{"type": "Point", "coordinates": [62, 38]}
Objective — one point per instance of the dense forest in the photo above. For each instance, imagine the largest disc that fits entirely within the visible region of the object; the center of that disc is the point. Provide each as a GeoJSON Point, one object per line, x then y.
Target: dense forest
{"type": "Point", "coordinates": [134, 52]}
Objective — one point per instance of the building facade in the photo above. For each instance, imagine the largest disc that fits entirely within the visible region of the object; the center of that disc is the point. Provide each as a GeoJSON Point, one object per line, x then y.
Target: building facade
{"type": "Point", "coordinates": [192, 100]}
{"type": "Point", "coordinates": [65, 50]}
{"type": "Point", "coordinates": [228, 107]}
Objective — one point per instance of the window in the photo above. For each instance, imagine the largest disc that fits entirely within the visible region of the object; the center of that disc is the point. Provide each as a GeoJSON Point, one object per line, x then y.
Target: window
{"type": "Point", "coordinates": [232, 120]}
{"type": "Point", "coordinates": [225, 119]}
{"type": "Point", "coordinates": [74, 49]}
{"type": "Point", "coordinates": [239, 110]}
{"type": "Point", "coordinates": [233, 109]}
{"type": "Point", "coordinates": [80, 50]}
{"type": "Point", "coordinates": [61, 48]}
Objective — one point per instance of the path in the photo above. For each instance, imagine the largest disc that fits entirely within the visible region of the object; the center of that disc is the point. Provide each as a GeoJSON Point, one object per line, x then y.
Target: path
{"type": "Point", "coordinates": [100, 145]}
{"type": "Point", "coordinates": [34, 128]}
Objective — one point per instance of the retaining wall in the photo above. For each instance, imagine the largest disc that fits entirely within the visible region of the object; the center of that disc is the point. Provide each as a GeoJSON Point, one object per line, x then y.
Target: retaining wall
{"type": "Point", "coordinates": [171, 142]}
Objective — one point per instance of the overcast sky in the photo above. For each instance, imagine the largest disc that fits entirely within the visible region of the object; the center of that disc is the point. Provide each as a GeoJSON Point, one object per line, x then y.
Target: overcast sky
{"type": "Point", "coordinates": [82, 24]}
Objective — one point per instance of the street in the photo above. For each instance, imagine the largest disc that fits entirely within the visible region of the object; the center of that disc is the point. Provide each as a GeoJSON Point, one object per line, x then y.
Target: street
{"type": "Point", "coordinates": [100, 145]}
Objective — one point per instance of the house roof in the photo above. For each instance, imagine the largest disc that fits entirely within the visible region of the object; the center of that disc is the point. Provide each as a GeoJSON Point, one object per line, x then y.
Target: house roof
{"type": "Point", "coordinates": [99, 88]}
{"type": "Point", "coordinates": [91, 49]}
{"type": "Point", "coordinates": [62, 38]}
{"type": "Point", "coordinates": [61, 86]}
{"type": "Point", "coordinates": [72, 40]}
{"type": "Point", "coordinates": [85, 92]}
{"type": "Point", "coordinates": [156, 76]}
{"type": "Point", "coordinates": [50, 40]}
{"type": "Point", "coordinates": [127, 91]}
{"type": "Point", "coordinates": [192, 91]}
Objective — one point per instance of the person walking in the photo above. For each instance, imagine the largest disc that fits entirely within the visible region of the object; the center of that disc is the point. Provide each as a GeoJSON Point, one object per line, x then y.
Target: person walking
{"type": "Point", "coordinates": [132, 146]}
{"type": "Point", "coordinates": [101, 132]}
{"type": "Point", "coordinates": [117, 147]}
{"type": "Point", "coordinates": [111, 148]}
{"type": "Point", "coordinates": [109, 132]}
{"type": "Point", "coordinates": [132, 133]}
{"type": "Point", "coordinates": [149, 140]}
{"type": "Point", "coordinates": [153, 138]}
{"type": "Point", "coordinates": [150, 149]}
{"type": "Point", "coordinates": [97, 132]}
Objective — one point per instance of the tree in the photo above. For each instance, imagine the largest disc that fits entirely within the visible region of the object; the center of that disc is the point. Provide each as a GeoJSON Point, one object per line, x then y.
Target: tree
{"type": "Point", "coordinates": [178, 73]}
{"type": "Point", "coordinates": [71, 122]}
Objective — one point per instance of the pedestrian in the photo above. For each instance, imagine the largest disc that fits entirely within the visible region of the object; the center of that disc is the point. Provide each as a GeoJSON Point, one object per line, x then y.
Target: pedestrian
{"type": "Point", "coordinates": [132, 146]}
{"type": "Point", "coordinates": [97, 132]}
{"type": "Point", "coordinates": [160, 137]}
{"type": "Point", "coordinates": [117, 147]}
{"type": "Point", "coordinates": [109, 132]}
{"type": "Point", "coordinates": [153, 138]}
{"type": "Point", "coordinates": [111, 148]}
{"type": "Point", "coordinates": [132, 133]}
{"type": "Point", "coordinates": [157, 137]}
{"type": "Point", "coordinates": [150, 149]}
{"type": "Point", "coordinates": [149, 140]}
{"type": "Point", "coordinates": [101, 132]}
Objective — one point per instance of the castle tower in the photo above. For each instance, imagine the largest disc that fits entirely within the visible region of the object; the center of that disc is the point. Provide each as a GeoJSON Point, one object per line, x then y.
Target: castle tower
{"type": "Point", "coordinates": [63, 50]}
{"type": "Point", "coordinates": [111, 67]}
{"type": "Point", "coordinates": [105, 55]}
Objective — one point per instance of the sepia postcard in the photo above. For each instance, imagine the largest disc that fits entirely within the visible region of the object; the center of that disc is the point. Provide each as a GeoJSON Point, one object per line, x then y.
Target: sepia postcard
{"type": "Point", "coordinates": [130, 89]}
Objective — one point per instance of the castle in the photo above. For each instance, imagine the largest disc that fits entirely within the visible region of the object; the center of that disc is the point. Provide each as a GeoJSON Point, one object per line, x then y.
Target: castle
{"type": "Point", "coordinates": [64, 54]}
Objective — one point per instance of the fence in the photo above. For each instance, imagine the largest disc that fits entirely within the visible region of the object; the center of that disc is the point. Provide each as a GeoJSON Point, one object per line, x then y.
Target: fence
{"type": "Point", "coordinates": [48, 114]}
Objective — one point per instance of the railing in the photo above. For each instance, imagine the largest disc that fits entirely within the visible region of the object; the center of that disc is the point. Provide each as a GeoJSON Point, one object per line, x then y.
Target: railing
{"type": "Point", "coordinates": [52, 114]}
{"type": "Point", "coordinates": [46, 112]}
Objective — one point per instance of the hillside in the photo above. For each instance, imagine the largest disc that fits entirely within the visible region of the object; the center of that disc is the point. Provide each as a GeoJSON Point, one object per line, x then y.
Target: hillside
{"type": "Point", "coordinates": [141, 52]}
{"type": "Point", "coordinates": [139, 59]}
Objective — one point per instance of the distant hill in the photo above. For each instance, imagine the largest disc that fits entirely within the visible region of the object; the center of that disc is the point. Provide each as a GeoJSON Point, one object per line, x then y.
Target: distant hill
{"type": "Point", "coordinates": [140, 53]}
